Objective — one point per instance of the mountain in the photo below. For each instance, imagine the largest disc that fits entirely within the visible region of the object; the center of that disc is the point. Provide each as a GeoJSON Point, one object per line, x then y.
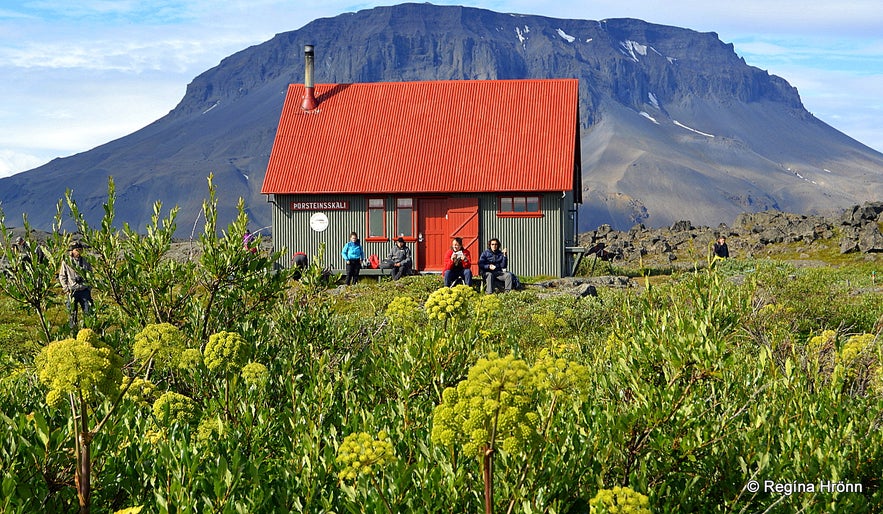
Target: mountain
{"type": "Point", "coordinates": [674, 124]}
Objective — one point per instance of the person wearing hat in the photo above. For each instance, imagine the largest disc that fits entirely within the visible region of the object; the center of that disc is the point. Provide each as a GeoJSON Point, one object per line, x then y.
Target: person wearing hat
{"type": "Point", "coordinates": [399, 259]}
{"type": "Point", "coordinates": [73, 283]}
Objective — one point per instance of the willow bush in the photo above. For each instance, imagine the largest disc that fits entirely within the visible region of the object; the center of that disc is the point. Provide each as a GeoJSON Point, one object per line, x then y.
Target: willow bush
{"type": "Point", "coordinates": [241, 390]}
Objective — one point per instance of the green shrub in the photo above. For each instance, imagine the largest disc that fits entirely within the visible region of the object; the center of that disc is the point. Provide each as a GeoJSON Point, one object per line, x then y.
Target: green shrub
{"type": "Point", "coordinates": [684, 390]}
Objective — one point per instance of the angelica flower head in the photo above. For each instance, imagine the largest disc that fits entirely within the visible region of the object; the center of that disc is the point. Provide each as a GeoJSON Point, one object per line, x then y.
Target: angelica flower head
{"type": "Point", "coordinates": [821, 341]}
{"type": "Point", "coordinates": [487, 305]}
{"type": "Point", "coordinates": [561, 376]}
{"type": "Point", "coordinates": [82, 366]}
{"type": "Point", "coordinates": [210, 429]}
{"type": "Point", "coordinates": [621, 500]}
{"type": "Point", "coordinates": [449, 302]}
{"type": "Point", "coordinates": [191, 360]}
{"type": "Point", "coordinates": [141, 392]}
{"type": "Point", "coordinates": [362, 454]}
{"type": "Point", "coordinates": [494, 403]}
{"type": "Point", "coordinates": [854, 346]}
{"type": "Point", "coordinates": [403, 311]}
{"type": "Point", "coordinates": [856, 354]}
{"type": "Point", "coordinates": [255, 374]}
{"type": "Point", "coordinates": [225, 352]}
{"type": "Point", "coordinates": [174, 407]}
{"type": "Point", "coordinates": [162, 342]}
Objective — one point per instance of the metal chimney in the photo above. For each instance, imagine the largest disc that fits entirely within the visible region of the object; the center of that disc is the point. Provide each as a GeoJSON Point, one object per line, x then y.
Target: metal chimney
{"type": "Point", "coordinates": [310, 101]}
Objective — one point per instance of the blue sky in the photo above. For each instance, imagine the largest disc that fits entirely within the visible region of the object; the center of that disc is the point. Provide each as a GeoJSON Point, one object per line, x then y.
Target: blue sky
{"type": "Point", "coordinates": [76, 75]}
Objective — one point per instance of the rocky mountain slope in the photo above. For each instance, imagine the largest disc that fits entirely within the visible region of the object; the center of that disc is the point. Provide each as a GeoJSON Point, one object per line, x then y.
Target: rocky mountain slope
{"type": "Point", "coordinates": [674, 124]}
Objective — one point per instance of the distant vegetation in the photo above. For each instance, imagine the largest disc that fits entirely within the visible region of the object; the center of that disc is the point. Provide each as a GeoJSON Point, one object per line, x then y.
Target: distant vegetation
{"type": "Point", "coordinates": [224, 385]}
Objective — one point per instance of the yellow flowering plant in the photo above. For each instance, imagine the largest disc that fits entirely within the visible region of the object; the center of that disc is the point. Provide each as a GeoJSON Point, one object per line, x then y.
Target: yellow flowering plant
{"type": "Point", "coordinates": [225, 352]}
{"type": "Point", "coordinates": [449, 303]}
{"type": "Point", "coordinates": [495, 409]}
{"type": "Point", "coordinates": [82, 372]}
{"type": "Point", "coordinates": [622, 500]}
{"type": "Point", "coordinates": [493, 404]}
{"type": "Point", "coordinates": [82, 368]}
{"type": "Point", "coordinates": [162, 343]}
{"type": "Point", "coordinates": [492, 407]}
{"type": "Point", "coordinates": [172, 407]}
{"type": "Point", "coordinates": [139, 391]}
{"type": "Point", "coordinates": [255, 374]}
{"type": "Point", "coordinates": [403, 311]}
{"type": "Point", "coordinates": [361, 454]}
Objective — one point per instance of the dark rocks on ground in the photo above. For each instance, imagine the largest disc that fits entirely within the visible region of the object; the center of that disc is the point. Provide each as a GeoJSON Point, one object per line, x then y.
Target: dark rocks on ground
{"type": "Point", "coordinates": [859, 228]}
{"type": "Point", "coordinates": [581, 287]}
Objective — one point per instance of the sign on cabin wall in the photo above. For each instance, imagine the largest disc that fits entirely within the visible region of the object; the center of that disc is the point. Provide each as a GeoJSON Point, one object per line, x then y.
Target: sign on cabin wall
{"type": "Point", "coordinates": [319, 222]}
{"type": "Point", "coordinates": [339, 205]}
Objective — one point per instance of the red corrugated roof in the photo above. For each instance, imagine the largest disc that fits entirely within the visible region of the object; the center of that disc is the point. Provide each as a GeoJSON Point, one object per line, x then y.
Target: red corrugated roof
{"type": "Point", "coordinates": [413, 137]}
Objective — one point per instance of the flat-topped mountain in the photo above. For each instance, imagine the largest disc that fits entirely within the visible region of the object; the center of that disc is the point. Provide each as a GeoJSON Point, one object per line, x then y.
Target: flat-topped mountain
{"type": "Point", "coordinates": [674, 124]}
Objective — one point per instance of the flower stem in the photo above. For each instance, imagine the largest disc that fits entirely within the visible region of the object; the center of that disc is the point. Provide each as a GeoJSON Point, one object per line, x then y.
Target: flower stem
{"type": "Point", "coordinates": [380, 492]}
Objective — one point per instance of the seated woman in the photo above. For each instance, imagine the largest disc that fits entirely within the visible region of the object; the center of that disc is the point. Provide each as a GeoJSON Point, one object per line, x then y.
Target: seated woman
{"type": "Point", "coordinates": [492, 264]}
{"type": "Point", "coordinates": [457, 262]}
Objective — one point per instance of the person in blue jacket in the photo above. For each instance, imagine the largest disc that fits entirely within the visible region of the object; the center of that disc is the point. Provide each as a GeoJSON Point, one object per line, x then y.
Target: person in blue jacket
{"type": "Point", "coordinates": [492, 264]}
{"type": "Point", "coordinates": [352, 255]}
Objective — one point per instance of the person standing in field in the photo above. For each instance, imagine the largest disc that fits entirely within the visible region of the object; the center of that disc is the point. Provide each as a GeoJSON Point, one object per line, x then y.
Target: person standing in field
{"type": "Point", "coordinates": [73, 283]}
{"type": "Point", "coordinates": [353, 255]}
{"type": "Point", "coordinates": [720, 248]}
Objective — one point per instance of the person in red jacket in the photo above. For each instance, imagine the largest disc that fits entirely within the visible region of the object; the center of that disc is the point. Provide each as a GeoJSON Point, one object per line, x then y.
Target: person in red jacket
{"type": "Point", "coordinates": [457, 262]}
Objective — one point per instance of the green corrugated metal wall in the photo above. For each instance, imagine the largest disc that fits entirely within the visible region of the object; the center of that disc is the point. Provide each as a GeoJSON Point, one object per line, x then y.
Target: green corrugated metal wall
{"type": "Point", "coordinates": [536, 245]}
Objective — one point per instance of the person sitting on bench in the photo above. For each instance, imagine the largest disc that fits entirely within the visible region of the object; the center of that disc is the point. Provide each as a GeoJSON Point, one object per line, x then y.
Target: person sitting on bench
{"type": "Point", "coordinates": [457, 262]}
{"type": "Point", "coordinates": [399, 260]}
{"type": "Point", "coordinates": [492, 264]}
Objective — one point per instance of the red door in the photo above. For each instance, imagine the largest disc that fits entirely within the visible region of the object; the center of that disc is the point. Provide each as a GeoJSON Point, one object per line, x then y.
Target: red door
{"type": "Point", "coordinates": [440, 220]}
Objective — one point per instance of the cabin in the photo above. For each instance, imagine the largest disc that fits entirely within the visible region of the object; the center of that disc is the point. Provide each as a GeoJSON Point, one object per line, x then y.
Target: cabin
{"type": "Point", "coordinates": [429, 161]}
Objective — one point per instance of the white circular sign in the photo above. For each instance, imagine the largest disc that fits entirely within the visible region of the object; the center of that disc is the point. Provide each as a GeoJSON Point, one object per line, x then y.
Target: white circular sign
{"type": "Point", "coordinates": [319, 222]}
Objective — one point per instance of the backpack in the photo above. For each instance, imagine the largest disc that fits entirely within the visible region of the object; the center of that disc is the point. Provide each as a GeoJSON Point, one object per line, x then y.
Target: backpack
{"type": "Point", "coordinates": [373, 261]}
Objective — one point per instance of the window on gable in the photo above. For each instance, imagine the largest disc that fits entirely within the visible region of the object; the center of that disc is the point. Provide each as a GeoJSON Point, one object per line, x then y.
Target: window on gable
{"type": "Point", "coordinates": [376, 218]}
{"type": "Point", "coordinates": [405, 217]}
{"type": "Point", "coordinates": [519, 206]}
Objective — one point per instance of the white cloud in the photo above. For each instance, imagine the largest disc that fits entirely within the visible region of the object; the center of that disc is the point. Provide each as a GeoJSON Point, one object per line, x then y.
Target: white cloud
{"type": "Point", "coordinates": [91, 71]}
{"type": "Point", "coordinates": [61, 112]}
{"type": "Point", "coordinates": [12, 162]}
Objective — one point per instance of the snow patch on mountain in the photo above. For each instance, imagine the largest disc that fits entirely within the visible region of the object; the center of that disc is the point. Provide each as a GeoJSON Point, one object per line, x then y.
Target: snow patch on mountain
{"type": "Point", "coordinates": [217, 102]}
{"type": "Point", "coordinates": [678, 123]}
{"type": "Point", "coordinates": [653, 101]}
{"type": "Point", "coordinates": [633, 49]}
{"type": "Point", "coordinates": [566, 36]}
{"type": "Point", "coordinates": [522, 35]}
{"type": "Point", "coordinates": [651, 118]}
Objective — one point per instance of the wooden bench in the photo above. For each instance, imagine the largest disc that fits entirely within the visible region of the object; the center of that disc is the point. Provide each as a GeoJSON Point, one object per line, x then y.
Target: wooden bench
{"type": "Point", "coordinates": [478, 282]}
{"type": "Point", "coordinates": [369, 272]}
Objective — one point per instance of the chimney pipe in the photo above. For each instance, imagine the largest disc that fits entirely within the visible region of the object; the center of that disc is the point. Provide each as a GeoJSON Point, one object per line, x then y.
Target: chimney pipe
{"type": "Point", "coordinates": [310, 101]}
